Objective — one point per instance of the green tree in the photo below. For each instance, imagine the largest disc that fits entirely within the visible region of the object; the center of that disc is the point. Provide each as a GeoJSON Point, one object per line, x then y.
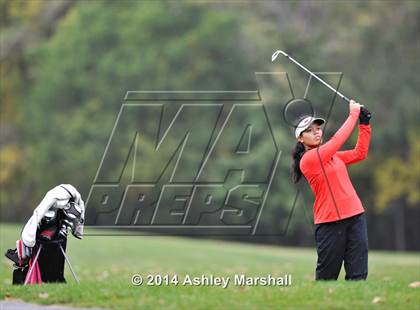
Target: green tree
{"type": "Point", "coordinates": [97, 53]}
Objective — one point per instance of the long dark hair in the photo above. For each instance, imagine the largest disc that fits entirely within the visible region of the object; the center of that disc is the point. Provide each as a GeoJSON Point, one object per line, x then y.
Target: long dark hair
{"type": "Point", "coordinates": [297, 154]}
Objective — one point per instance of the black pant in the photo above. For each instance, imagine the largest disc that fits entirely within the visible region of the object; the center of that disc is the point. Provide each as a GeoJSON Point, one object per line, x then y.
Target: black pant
{"type": "Point", "coordinates": [342, 240]}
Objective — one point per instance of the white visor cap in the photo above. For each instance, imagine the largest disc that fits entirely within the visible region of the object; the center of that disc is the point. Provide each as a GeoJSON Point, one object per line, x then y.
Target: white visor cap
{"type": "Point", "coordinates": [306, 122]}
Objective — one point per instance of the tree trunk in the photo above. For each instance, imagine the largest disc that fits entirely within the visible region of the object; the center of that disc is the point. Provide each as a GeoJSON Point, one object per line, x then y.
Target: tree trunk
{"type": "Point", "coordinates": [399, 207]}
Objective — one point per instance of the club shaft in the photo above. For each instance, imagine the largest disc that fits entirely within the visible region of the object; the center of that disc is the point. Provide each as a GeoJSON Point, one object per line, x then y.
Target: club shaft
{"type": "Point", "coordinates": [319, 79]}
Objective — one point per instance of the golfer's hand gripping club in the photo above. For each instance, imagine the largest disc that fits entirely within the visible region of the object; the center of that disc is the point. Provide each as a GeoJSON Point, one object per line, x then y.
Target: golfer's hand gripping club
{"type": "Point", "coordinates": [364, 116]}
{"type": "Point", "coordinates": [355, 106]}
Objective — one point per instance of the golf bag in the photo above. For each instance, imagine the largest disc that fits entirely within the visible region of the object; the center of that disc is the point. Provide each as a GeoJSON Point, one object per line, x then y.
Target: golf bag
{"type": "Point", "coordinates": [40, 253]}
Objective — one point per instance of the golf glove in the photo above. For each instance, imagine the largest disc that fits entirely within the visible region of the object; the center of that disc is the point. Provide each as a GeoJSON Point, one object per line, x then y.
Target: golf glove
{"type": "Point", "coordinates": [364, 116]}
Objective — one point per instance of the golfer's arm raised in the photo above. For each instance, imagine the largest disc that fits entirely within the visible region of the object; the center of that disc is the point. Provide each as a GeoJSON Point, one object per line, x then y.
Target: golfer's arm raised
{"type": "Point", "coordinates": [327, 150]}
{"type": "Point", "coordinates": [360, 152]}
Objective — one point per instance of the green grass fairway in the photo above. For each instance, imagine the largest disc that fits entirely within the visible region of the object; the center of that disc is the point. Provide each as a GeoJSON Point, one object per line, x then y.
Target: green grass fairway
{"type": "Point", "coordinates": [105, 266]}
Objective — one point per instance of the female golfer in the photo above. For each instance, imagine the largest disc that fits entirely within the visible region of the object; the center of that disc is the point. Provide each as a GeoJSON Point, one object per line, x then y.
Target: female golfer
{"type": "Point", "coordinates": [340, 224]}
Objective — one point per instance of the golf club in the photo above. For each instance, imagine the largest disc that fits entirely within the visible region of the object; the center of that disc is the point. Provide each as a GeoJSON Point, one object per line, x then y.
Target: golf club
{"type": "Point", "coordinates": [276, 53]}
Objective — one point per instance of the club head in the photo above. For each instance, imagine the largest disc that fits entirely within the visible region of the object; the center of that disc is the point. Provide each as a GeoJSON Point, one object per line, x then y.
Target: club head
{"type": "Point", "coordinates": [276, 53]}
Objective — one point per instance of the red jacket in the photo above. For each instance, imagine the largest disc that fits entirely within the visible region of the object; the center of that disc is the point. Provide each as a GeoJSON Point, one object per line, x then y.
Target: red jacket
{"type": "Point", "coordinates": [325, 169]}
